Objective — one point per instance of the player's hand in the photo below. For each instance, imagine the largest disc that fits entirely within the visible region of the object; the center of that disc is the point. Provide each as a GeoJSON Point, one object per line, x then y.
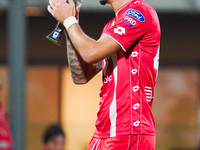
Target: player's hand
{"type": "Point", "coordinates": [77, 11]}
{"type": "Point", "coordinates": [61, 10]}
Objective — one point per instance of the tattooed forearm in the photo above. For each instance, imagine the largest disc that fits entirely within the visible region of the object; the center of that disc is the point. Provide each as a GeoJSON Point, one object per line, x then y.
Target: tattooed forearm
{"type": "Point", "coordinates": [98, 66]}
{"type": "Point", "coordinates": [70, 45]}
{"type": "Point", "coordinates": [81, 71]}
{"type": "Point", "coordinates": [76, 63]}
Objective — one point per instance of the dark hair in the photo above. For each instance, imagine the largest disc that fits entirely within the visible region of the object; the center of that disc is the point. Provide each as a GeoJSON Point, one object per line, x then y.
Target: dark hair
{"type": "Point", "coordinates": [52, 131]}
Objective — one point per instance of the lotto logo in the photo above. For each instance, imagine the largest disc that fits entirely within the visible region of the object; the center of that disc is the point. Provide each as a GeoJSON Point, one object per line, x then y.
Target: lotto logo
{"type": "Point", "coordinates": [136, 123]}
{"type": "Point", "coordinates": [120, 30]}
{"type": "Point", "coordinates": [134, 54]}
{"type": "Point", "coordinates": [134, 71]}
{"type": "Point", "coordinates": [135, 88]}
{"type": "Point", "coordinates": [136, 106]}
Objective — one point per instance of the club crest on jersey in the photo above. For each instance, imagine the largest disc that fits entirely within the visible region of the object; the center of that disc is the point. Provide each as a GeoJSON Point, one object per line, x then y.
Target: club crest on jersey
{"type": "Point", "coordinates": [113, 23]}
{"type": "Point", "coordinates": [136, 14]}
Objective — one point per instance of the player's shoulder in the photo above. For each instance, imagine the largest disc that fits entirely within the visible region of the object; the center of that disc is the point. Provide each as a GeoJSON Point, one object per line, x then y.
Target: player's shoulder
{"type": "Point", "coordinates": [137, 9]}
{"type": "Point", "coordinates": [141, 7]}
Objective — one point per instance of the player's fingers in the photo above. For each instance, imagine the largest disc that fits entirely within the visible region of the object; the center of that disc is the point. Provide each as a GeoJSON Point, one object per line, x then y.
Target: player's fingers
{"type": "Point", "coordinates": [50, 10]}
{"type": "Point", "coordinates": [52, 3]}
{"type": "Point", "coordinates": [77, 11]}
{"type": "Point", "coordinates": [71, 2]}
{"type": "Point", "coordinates": [78, 8]}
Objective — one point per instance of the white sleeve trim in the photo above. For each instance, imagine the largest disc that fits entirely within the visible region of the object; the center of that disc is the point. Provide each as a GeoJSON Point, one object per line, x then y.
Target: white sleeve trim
{"type": "Point", "coordinates": [116, 41]}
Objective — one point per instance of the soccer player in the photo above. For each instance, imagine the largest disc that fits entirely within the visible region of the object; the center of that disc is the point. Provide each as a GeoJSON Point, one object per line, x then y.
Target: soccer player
{"type": "Point", "coordinates": [128, 55]}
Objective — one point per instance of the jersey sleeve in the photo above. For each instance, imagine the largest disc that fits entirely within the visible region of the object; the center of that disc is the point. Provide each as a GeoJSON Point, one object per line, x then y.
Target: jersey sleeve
{"type": "Point", "coordinates": [128, 28]}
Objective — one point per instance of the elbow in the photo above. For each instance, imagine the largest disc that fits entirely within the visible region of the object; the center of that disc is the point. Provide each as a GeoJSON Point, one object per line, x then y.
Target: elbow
{"type": "Point", "coordinates": [90, 54]}
{"type": "Point", "coordinates": [90, 59]}
{"type": "Point", "coordinates": [81, 82]}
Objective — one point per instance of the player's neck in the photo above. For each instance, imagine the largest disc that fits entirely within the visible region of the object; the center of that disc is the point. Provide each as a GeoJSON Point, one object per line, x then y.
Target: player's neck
{"type": "Point", "coordinates": [116, 4]}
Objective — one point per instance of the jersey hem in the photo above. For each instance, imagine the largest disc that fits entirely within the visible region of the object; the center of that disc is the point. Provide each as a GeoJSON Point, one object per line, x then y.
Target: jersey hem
{"type": "Point", "coordinates": [138, 132]}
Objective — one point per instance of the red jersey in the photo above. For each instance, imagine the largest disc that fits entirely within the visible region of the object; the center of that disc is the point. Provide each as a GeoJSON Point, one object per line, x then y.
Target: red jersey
{"type": "Point", "coordinates": [5, 134]}
{"type": "Point", "coordinates": [129, 76]}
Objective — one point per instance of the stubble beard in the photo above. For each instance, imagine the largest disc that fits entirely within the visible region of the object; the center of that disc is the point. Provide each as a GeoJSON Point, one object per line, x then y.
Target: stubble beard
{"type": "Point", "coordinates": [103, 2]}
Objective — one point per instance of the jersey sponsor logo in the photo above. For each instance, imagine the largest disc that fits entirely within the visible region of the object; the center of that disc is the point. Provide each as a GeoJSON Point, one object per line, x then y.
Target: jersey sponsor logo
{"type": "Point", "coordinates": [136, 14]}
{"type": "Point", "coordinates": [130, 21]}
{"type": "Point", "coordinates": [120, 30]}
{"type": "Point", "coordinates": [108, 79]}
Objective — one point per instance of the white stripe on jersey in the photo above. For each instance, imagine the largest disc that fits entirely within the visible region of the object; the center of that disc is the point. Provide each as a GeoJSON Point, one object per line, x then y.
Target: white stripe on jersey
{"type": "Point", "coordinates": [96, 143]}
{"type": "Point", "coordinates": [105, 65]}
{"type": "Point", "coordinates": [113, 107]}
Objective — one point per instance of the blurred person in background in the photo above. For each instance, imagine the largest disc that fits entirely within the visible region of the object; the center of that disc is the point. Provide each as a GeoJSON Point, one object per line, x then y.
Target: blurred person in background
{"type": "Point", "coordinates": [128, 55]}
{"type": "Point", "coordinates": [54, 137]}
{"type": "Point", "coordinates": [5, 134]}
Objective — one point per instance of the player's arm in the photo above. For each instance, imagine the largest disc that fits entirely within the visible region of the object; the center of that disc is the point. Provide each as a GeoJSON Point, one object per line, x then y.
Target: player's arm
{"type": "Point", "coordinates": [81, 72]}
{"type": "Point", "coordinates": [90, 50]}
